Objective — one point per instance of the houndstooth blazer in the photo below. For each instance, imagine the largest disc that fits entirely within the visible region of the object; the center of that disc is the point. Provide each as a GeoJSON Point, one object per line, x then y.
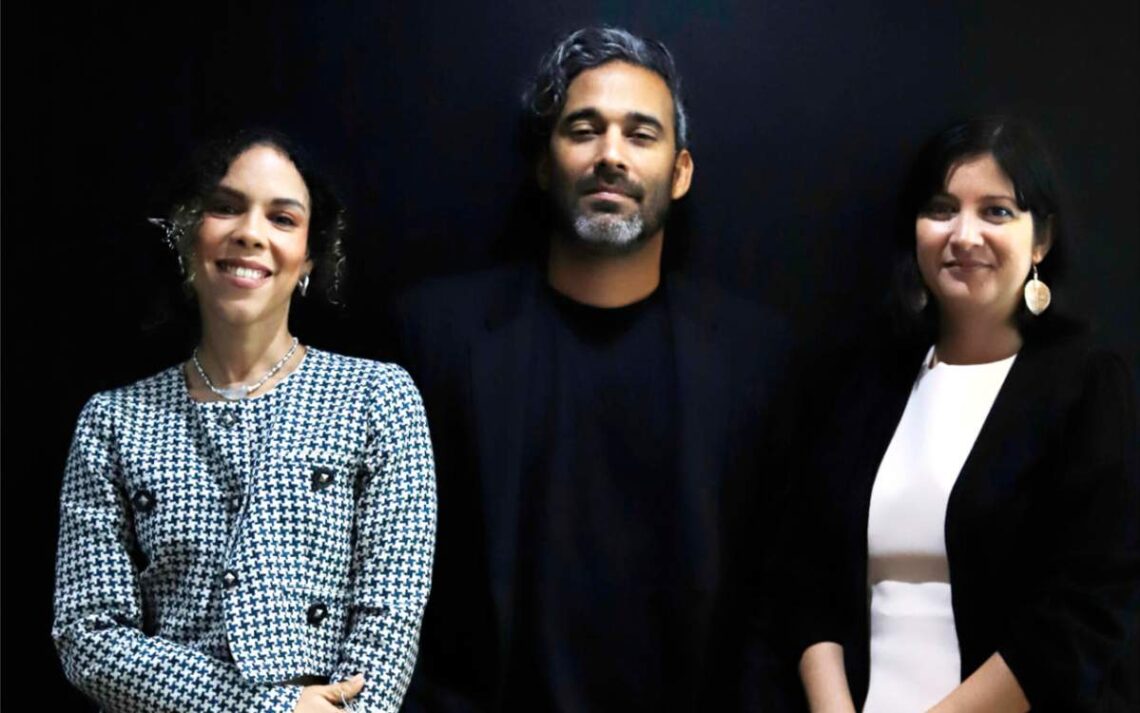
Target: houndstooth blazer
{"type": "Point", "coordinates": [209, 553]}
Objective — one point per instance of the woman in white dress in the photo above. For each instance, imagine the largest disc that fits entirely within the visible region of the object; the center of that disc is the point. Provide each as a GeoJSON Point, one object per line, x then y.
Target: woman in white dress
{"type": "Point", "coordinates": [968, 539]}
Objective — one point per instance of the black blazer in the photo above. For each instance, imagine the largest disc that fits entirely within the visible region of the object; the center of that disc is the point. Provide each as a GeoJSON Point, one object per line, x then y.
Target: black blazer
{"type": "Point", "coordinates": [466, 341]}
{"type": "Point", "coordinates": [1042, 527]}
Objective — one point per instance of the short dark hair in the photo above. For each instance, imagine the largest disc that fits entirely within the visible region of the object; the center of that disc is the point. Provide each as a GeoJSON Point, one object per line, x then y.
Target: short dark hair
{"type": "Point", "coordinates": [208, 165]}
{"type": "Point", "coordinates": [1023, 158]}
{"type": "Point", "coordinates": [584, 49]}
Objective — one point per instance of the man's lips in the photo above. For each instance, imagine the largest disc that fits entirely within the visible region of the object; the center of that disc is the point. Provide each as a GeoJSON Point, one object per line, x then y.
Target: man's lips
{"type": "Point", "coordinates": [609, 195]}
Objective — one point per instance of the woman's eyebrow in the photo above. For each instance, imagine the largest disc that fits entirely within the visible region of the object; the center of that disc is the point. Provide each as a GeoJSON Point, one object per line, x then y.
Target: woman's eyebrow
{"type": "Point", "coordinates": [230, 192]}
{"type": "Point", "coordinates": [290, 202]}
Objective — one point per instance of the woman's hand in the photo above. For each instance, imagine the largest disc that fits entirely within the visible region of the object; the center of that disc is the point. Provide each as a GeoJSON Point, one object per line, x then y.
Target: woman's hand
{"type": "Point", "coordinates": [992, 687]}
{"type": "Point", "coordinates": [323, 699]}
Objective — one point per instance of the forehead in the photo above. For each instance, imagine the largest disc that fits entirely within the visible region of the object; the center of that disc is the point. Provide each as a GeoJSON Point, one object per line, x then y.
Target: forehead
{"type": "Point", "coordinates": [617, 88]}
{"type": "Point", "coordinates": [978, 175]}
{"type": "Point", "coordinates": [262, 171]}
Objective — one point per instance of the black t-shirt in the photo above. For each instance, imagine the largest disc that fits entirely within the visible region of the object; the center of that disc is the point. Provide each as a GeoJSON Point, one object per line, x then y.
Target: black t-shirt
{"type": "Point", "coordinates": [597, 598]}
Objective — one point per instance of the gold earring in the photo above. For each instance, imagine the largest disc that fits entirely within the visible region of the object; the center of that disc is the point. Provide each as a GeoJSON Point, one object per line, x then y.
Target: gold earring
{"type": "Point", "coordinates": [1037, 294]}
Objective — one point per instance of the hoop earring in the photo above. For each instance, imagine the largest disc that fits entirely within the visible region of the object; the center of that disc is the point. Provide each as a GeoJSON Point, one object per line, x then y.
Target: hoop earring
{"type": "Point", "coordinates": [303, 284]}
{"type": "Point", "coordinates": [1037, 294]}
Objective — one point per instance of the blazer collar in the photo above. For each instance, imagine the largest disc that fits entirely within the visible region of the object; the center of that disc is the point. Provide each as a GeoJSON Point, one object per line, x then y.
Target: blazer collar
{"type": "Point", "coordinates": [501, 357]}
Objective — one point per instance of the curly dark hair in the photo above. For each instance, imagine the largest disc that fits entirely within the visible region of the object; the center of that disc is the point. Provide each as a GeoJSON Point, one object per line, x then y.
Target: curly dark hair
{"type": "Point", "coordinates": [209, 164]}
{"type": "Point", "coordinates": [584, 49]}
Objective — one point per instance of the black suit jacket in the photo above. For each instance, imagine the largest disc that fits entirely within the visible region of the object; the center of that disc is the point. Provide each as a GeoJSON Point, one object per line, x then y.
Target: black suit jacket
{"type": "Point", "coordinates": [466, 341]}
{"type": "Point", "coordinates": [1042, 526]}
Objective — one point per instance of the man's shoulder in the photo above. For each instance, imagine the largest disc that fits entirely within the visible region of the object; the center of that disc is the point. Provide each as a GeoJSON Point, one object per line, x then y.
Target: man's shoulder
{"type": "Point", "coordinates": [712, 304]}
{"type": "Point", "coordinates": [465, 293]}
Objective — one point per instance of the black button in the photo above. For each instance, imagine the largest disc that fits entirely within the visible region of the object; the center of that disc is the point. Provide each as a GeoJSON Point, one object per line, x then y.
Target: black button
{"type": "Point", "coordinates": [233, 505]}
{"type": "Point", "coordinates": [228, 418]}
{"type": "Point", "coordinates": [143, 500]}
{"type": "Point", "coordinates": [321, 479]}
{"type": "Point", "coordinates": [230, 579]}
{"type": "Point", "coordinates": [317, 613]}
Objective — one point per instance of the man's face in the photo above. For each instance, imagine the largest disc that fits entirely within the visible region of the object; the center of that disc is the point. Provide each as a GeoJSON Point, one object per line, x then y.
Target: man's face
{"type": "Point", "coordinates": [612, 168]}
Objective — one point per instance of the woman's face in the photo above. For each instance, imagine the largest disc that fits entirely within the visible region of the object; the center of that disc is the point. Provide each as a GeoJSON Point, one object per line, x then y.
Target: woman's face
{"type": "Point", "coordinates": [252, 243]}
{"type": "Point", "coordinates": [974, 245]}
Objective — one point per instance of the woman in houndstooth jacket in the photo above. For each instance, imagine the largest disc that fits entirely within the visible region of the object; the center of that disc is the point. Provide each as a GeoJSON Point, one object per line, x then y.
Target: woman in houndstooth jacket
{"type": "Point", "coordinates": [264, 545]}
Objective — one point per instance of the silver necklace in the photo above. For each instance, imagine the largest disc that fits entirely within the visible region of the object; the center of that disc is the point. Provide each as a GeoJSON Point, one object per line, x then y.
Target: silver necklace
{"type": "Point", "coordinates": [241, 391]}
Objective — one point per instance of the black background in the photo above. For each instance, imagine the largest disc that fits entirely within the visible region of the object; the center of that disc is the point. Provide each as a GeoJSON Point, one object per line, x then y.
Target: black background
{"type": "Point", "coordinates": [804, 114]}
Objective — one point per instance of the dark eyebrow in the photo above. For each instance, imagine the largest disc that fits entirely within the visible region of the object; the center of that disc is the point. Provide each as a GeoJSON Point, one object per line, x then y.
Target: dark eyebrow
{"type": "Point", "coordinates": [236, 194]}
{"type": "Point", "coordinates": [587, 113]}
{"type": "Point", "coordinates": [291, 202]}
{"type": "Point", "coordinates": [635, 117]}
{"type": "Point", "coordinates": [639, 118]}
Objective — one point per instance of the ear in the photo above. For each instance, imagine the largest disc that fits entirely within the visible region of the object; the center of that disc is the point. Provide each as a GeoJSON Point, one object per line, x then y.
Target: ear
{"type": "Point", "coordinates": [542, 170]}
{"type": "Point", "coordinates": [1043, 241]}
{"type": "Point", "coordinates": [307, 268]}
{"type": "Point", "coordinates": [682, 173]}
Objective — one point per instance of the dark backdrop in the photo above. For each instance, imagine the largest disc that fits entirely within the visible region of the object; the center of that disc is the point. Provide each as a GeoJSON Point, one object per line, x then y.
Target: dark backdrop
{"type": "Point", "coordinates": [803, 113]}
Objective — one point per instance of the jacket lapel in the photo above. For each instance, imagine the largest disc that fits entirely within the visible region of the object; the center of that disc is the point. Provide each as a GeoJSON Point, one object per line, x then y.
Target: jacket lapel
{"type": "Point", "coordinates": [703, 383]}
{"type": "Point", "coordinates": [1010, 436]}
{"type": "Point", "coordinates": [500, 374]}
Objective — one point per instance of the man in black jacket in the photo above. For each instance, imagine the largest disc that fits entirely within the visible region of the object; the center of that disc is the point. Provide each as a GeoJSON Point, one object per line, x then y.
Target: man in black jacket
{"type": "Point", "coordinates": [600, 429]}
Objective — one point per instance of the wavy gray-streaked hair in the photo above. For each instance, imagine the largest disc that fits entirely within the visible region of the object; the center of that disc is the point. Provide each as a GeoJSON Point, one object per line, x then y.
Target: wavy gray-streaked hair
{"type": "Point", "coordinates": [584, 49]}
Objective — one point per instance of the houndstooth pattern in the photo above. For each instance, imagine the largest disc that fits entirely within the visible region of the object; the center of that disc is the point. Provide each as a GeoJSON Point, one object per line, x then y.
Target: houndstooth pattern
{"type": "Point", "coordinates": [211, 552]}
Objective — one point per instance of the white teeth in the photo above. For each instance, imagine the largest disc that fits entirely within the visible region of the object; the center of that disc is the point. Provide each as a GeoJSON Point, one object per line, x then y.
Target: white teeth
{"type": "Point", "coordinates": [246, 272]}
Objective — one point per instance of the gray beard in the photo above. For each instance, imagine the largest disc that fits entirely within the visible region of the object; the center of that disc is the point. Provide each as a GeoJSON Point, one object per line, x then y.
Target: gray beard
{"type": "Point", "coordinates": [608, 231]}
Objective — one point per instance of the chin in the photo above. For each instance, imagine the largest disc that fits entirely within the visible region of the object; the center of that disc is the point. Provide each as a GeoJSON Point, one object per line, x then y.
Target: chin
{"type": "Point", "coordinates": [239, 314]}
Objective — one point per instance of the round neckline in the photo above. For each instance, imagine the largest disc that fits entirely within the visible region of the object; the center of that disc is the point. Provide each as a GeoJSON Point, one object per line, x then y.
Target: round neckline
{"type": "Point", "coordinates": [283, 383]}
{"type": "Point", "coordinates": [927, 368]}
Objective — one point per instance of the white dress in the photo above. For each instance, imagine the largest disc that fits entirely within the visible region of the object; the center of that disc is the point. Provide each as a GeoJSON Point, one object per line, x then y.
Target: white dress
{"type": "Point", "coordinates": [914, 645]}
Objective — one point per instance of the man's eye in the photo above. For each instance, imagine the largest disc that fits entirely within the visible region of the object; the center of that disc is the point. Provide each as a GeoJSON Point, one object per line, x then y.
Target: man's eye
{"type": "Point", "coordinates": [582, 132]}
{"type": "Point", "coordinates": [644, 136]}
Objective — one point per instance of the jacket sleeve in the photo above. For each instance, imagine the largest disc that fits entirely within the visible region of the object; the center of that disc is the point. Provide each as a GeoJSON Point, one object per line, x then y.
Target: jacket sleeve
{"type": "Point", "coordinates": [99, 624]}
{"type": "Point", "coordinates": [1062, 646]}
{"type": "Point", "coordinates": [392, 559]}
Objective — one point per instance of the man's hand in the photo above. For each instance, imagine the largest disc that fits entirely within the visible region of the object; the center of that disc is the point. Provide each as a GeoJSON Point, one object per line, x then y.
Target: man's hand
{"type": "Point", "coordinates": [325, 699]}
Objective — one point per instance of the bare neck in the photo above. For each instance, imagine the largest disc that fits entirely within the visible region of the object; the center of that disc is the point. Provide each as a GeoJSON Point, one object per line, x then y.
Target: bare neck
{"type": "Point", "coordinates": [604, 280]}
{"type": "Point", "coordinates": [976, 341]}
{"type": "Point", "coordinates": [240, 353]}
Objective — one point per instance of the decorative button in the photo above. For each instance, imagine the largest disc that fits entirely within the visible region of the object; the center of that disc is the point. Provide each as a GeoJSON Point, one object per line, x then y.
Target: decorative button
{"type": "Point", "coordinates": [143, 500]}
{"type": "Point", "coordinates": [321, 479]}
{"type": "Point", "coordinates": [228, 418]}
{"type": "Point", "coordinates": [317, 613]}
{"type": "Point", "coordinates": [230, 579]}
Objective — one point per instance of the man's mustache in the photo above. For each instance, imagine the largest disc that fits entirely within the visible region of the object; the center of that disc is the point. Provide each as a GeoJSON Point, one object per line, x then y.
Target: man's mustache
{"type": "Point", "coordinates": [623, 186]}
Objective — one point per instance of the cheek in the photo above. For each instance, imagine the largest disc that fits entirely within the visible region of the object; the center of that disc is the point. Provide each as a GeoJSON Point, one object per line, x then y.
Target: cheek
{"type": "Point", "coordinates": [209, 236]}
{"type": "Point", "coordinates": [928, 243]}
{"type": "Point", "coordinates": [294, 256]}
{"type": "Point", "coordinates": [1022, 255]}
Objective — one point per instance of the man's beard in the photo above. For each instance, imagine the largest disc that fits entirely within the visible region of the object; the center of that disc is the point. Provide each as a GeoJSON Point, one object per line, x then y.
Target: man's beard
{"type": "Point", "coordinates": [615, 233]}
{"type": "Point", "coordinates": [610, 231]}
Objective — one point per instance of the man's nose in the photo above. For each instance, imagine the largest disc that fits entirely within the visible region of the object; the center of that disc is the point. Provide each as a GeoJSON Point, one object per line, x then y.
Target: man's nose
{"type": "Point", "coordinates": [611, 151]}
